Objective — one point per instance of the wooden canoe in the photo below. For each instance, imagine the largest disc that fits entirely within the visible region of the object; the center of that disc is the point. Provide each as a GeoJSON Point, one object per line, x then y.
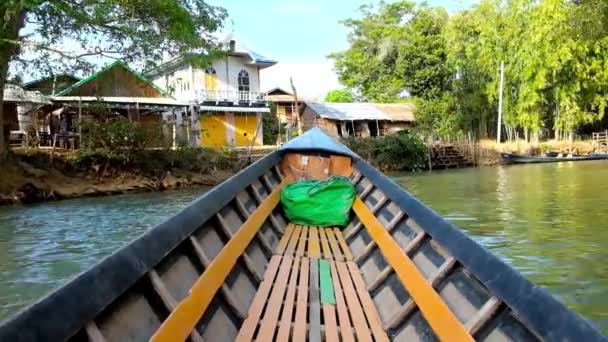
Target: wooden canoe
{"type": "Point", "coordinates": [230, 267]}
{"type": "Point", "coordinates": [510, 158]}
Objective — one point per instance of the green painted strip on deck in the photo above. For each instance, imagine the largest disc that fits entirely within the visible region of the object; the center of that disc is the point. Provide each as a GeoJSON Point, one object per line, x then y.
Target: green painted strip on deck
{"type": "Point", "coordinates": [327, 287]}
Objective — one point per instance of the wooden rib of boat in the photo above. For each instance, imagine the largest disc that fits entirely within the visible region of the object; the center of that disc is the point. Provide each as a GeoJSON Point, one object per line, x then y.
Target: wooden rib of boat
{"type": "Point", "coordinates": [511, 158]}
{"type": "Point", "coordinates": [231, 267]}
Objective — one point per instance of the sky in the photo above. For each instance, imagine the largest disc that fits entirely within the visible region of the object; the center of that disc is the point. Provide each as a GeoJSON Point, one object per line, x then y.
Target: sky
{"type": "Point", "coordinates": [299, 34]}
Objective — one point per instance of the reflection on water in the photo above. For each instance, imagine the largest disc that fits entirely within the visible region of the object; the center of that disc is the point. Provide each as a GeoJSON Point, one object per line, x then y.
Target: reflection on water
{"type": "Point", "coordinates": [44, 245]}
{"type": "Point", "coordinates": [548, 221]}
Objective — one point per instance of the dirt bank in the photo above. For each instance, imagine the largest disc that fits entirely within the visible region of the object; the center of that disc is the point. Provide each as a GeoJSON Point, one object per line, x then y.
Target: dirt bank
{"type": "Point", "coordinates": [27, 179]}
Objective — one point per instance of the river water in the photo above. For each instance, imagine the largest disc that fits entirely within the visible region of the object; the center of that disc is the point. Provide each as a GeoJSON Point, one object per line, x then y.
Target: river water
{"type": "Point", "coordinates": [548, 221]}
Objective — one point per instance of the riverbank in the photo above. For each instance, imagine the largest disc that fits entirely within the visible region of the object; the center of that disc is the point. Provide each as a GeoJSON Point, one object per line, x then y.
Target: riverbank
{"type": "Point", "coordinates": [488, 151]}
{"type": "Point", "coordinates": [34, 176]}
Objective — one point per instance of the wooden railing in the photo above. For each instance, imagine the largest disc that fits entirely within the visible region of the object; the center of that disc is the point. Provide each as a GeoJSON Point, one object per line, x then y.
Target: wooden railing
{"type": "Point", "coordinates": [601, 139]}
{"type": "Point", "coordinates": [230, 96]}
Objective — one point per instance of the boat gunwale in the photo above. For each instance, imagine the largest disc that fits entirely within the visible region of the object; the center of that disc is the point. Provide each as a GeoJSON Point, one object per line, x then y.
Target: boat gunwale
{"type": "Point", "coordinates": [536, 307]}
{"type": "Point", "coordinates": [115, 274]}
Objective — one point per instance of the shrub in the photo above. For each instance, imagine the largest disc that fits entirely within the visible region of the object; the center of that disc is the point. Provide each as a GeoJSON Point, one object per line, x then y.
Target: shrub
{"type": "Point", "coordinates": [401, 151]}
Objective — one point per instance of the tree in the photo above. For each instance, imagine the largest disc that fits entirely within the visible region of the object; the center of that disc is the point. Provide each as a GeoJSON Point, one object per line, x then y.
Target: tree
{"type": "Point", "coordinates": [396, 50]}
{"type": "Point", "coordinates": [143, 31]}
{"type": "Point", "coordinates": [339, 95]}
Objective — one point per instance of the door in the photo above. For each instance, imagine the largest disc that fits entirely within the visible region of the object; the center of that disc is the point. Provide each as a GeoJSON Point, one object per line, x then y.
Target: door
{"type": "Point", "coordinates": [245, 125]}
{"type": "Point", "coordinates": [213, 130]}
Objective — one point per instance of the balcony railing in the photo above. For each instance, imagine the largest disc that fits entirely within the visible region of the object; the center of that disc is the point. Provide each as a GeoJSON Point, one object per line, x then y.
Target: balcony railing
{"type": "Point", "coordinates": [234, 96]}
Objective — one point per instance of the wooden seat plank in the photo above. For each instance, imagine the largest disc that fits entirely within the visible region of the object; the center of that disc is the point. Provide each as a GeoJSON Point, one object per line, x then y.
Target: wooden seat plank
{"type": "Point", "coordinates": [440, 318]}
{"type": "Point", "coordinates": [284, 240]}
{"type": "Point", "coordinates": [368, 304]}
{"type": "Point", "coordinates": [314, 307]}
{"type": "Point", "coordinates": [345, 250]}
{"type": "Point", "coordinates": [314, 249]}
{"type": "Point", "coordinates": [299, 330]}
{"type": "Point", "coordinates": [342, 309]}
{"type": "Point", "coordinates": [354, 306]}
{"type": "Point", "coordinates": [333, 243]}
{"type": "Point", "coordinates": [293, 241]}
{"type": "Point", "coordinates": [301, 249]}
{"type": "Point", "coordinates": [325, 244]}
{"type": "Point", "coordinates": [288, 307]}
{"type": "Point", "coordinates": [271, 316]}
{"type": "Point", "coordinates": [345, 326]}
{"type": "Point", "coordinates": [331, 327]}
{"type": "Point", "coordinates": [259, 301]}
{"type": "Point", "coordinates": [189, 311]}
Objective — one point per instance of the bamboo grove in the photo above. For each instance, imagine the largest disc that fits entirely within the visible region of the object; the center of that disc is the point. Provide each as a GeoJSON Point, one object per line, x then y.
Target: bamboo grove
{"type": "Point", "coordinates": [555, 54]}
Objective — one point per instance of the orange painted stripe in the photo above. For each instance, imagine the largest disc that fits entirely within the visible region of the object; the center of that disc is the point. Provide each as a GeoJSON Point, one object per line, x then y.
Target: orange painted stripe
{"type": "Point", "coordinates": [441, 319]}
{"type": "Point", "coordinates": [325, 244]}
{"type": "Point", "coordinates": [314, 249]}
{"type": "Point", "coordinates": [189, 311]}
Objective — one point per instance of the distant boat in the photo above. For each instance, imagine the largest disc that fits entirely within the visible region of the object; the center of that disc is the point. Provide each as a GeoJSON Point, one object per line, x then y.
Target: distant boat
{"type": "Point", "coordinates": [510, 158]}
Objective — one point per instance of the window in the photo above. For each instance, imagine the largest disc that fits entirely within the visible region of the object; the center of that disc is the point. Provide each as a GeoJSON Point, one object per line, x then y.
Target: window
{"type": "Point", "coordinates": [243, 80]}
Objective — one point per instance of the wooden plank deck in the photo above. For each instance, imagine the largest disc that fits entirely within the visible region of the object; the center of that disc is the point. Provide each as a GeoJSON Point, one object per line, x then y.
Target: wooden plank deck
{"type": "Point", "coordinates": [292, 308]}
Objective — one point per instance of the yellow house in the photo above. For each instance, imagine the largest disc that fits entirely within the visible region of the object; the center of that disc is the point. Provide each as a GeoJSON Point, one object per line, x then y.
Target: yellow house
{"type": "Point", "coordinates": [230, 128]}
{"type": "Point", "coordinates": [226, 95]}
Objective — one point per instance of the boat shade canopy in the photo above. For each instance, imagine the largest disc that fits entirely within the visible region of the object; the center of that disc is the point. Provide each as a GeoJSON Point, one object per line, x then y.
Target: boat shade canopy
{"type": "Point", "coordinates": [316, 140]}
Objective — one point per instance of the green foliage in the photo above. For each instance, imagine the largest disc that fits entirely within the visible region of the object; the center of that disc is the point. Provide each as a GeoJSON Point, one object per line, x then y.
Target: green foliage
{"type": "Point", "coordinates": [270, 125]}
{"type": "Point", "coordinates": [555, 54]}
{"type": "Point", "coordinates": [396, 49]}
{"type": "Point", "coordinates": [125, 145]}
{"type": "Point", "coordinates": [340, 96]}
{"type": "Point", "coordinates": [436, 118]}
{"type": "Point", "coordinates": [401, 151]}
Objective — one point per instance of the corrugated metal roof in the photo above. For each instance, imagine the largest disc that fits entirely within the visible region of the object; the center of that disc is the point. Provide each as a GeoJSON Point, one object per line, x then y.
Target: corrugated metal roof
{"type": "Point", "coordinates": [363, 111]}
{"type": "Point", "coordinates": [235, 109]}
{"type": "Point", "coordinates": [121, 99]}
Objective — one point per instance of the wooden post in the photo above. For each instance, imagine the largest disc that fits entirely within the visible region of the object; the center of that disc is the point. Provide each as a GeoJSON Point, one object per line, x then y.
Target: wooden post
{"type": "Point", "coordinates": [79, 122]}
{"type": "Point", "coordinates": [187, 124]}
{"type": "Point", "coordinates": [173, 145]}
{"type": "Point", "coordinates": [502, 76]}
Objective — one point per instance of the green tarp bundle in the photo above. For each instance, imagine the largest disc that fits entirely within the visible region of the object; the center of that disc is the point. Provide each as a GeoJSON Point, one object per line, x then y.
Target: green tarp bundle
{"type": "Point", "coordinates": [319, 203]}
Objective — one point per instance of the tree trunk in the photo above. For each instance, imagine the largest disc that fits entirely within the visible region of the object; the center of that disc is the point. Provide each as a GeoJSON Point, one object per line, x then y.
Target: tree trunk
{"type": "Point", "coordinates": [9, 29]}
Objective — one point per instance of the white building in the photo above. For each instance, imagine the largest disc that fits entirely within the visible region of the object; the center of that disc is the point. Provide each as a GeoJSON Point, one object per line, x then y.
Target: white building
{"type": "Point", "coordinates": [227, 93]}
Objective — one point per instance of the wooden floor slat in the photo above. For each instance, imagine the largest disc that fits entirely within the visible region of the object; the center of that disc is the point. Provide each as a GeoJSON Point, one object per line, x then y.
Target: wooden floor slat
{"type": "Point", "coordinates": [293, 241]}
{"type": "Point", "coordinates": [301, 250]}
{"type": "Point", "coordinates": [299, 331]}
{"type": "Point", "coordinates": [314, 305]}
{"type": "Point", "coordinates": [288, 307]}
{"type": "Point", "coordinates": [345, 250]}
{"type": "Point", "coordinates": [284, 240]}
{"type": "Point", "coordinates": [333, 243]}
{"type": "Point", "coordinates": [354, 306]}
{"type": "Point", "coordinates": [259, 301]}
{"type": "Point", "coordinates": [331, 326]}
{"type": "Point", "coordinates": [271, 316]}
{"type": "Point", "coordinates": [325, 244]}
{"type": "Point", "coordinates": [369, 308]}
{"type": "Point", "coordinates": [345, 325]}
{"type": "Point", "coordinates": [314, 249]}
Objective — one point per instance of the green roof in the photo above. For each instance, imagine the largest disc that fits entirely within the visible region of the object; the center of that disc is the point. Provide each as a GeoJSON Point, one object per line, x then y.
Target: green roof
{"type": "Point", "coordinates": [118, 63]}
